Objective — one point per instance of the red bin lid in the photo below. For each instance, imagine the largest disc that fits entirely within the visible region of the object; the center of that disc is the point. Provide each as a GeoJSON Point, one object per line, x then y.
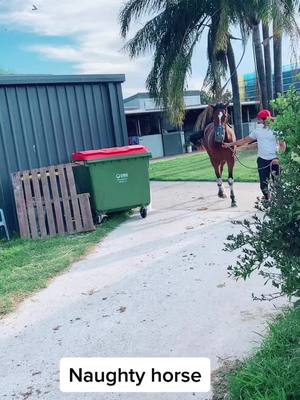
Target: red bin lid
{"type": "Point", "coordinates": [111, 152]}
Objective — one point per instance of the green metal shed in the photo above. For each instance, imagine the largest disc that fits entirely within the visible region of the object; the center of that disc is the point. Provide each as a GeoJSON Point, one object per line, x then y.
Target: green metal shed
{"type": "Point", "coordinates": [46, 118]}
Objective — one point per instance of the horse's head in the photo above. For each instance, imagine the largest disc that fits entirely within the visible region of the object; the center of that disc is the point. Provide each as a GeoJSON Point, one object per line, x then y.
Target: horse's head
{"type": "Point", "coordinates": [220, 113]}
{"type": "Point", "coordinates": [220, 119]}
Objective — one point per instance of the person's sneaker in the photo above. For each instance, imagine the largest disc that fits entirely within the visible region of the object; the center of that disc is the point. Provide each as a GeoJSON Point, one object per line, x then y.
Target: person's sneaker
{"type": "Point", "coordinates": [263, 198]}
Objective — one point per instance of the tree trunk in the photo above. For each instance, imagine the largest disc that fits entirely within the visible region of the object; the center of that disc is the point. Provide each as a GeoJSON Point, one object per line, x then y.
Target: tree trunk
{"type": "Point", "coordinates": [260, 67]}
{"type": "Point", "coordinates": [268, 64]}
{"type": "Point", "coordinates": [277, 49]}
{"type": "Point", "coordinates": [237, 110]}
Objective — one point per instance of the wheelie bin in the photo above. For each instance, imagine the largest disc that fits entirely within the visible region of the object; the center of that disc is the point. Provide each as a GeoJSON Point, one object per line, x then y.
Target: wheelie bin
{"type": "Point", "coordinates": [117, 178]}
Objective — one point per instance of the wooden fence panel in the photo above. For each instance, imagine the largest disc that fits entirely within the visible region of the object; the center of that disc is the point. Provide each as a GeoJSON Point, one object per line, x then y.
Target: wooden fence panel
{"type": "Point", "coordinates": [48, 204]}
{"type": "Point", "coordinates": [74, 200]}
{"type": "Point", "coordinates": [65, 198]}
{"type": "Point", "coordinates": [56, 201]}
{"type": "Point", "coordinates": [85, 206]}
{"type": "Point", "coordinates": [39, 203]}
{"type": "Point", "coordinates": [20, 205]}
{"type": "Point", "coordinates": [30, 205]}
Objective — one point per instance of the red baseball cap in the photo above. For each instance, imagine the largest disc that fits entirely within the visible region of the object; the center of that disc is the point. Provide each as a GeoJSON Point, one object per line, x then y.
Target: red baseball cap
{"type": "Point", "coordinates": [264, 114]}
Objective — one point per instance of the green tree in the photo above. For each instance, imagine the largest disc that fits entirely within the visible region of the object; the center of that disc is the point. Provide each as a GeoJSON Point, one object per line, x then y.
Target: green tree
{"type": "Point", "coordinates": [172, 34]}
{"type": "Point", "coordinates": [174, 28]}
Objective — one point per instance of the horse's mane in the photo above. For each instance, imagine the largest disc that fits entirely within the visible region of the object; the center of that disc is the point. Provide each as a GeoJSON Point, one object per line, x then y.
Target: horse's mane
{"type": "Point", "coordinates": [205, 118]}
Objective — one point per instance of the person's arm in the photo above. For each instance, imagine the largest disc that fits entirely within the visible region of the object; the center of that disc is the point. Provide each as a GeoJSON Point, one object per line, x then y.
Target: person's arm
{"type": "Point", "coordinates": [282, 147]}
{"type": "Point", "coordinates": [240, 142]}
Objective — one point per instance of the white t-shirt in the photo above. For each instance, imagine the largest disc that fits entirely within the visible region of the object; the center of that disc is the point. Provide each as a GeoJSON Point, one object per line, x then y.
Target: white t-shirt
{"type": "Point", "coordinates": [266, 142]}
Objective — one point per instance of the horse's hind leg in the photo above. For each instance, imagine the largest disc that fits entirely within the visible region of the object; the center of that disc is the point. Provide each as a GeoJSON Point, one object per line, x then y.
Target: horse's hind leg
{"type": "Point", "coordinates": [231, 182]}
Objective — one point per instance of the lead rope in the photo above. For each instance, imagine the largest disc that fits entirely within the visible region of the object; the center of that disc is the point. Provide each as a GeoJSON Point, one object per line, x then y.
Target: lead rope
{"type": "Point", "coordinates": [246, 166]}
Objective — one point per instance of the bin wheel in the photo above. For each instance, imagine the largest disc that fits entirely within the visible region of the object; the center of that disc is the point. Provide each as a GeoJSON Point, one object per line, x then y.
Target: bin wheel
{"type": "Point", "coordinates": [100, 218]}
{"type": "Point", "coordinates": [143, 212]}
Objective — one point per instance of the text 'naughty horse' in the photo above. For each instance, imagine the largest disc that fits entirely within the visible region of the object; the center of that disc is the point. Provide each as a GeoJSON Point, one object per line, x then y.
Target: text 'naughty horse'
{"type": "Point", "coordinates": [212, 131]}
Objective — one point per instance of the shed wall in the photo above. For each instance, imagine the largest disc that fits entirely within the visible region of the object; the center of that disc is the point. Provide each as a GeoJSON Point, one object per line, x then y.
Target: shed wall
{"type": "Point", "coordinates": [43, 120]}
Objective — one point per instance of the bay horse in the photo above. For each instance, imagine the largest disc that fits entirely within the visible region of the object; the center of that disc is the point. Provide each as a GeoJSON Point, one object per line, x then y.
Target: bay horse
{"type": "Point", "coordinates": [212, 131]}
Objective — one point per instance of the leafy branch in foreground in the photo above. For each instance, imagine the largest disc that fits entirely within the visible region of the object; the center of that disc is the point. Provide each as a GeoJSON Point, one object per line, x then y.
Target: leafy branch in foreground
{"type": "Point", "coordinates": [270, 240]}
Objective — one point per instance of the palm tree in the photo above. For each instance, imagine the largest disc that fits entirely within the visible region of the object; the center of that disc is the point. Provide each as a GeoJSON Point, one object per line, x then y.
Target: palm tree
{"type": "Point", "coordinates": [174, 30]}
{"type": "Point", "coordinates": [172, 34]}
{"type": "Point", "coordinates": [221, 57]}
{"type": "Point", "coordinates": [277, 50]}
{"type": "Point", "coordinates": [283, 15]}
{"type": "Point", "coordinates": [237, 109]}
{"type": "Point", "coordinates": [251, 13]}
{"type": "Point", "coordinates": [268, 62]}
{"type": "Point", "coordinates": [260, 66]}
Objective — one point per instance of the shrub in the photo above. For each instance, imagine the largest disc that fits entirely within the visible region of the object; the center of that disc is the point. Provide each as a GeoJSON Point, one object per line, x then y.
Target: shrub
{"type": "Point", "coordinates": [270, 240]}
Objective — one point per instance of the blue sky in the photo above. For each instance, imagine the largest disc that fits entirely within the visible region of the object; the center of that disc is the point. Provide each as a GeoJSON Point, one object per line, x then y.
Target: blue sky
{"type": "Point", "coordinates": [17, 59]}
{"type": "Point", "coordinates": [75, 36]}
{"type": "Point", "coordinates": [64, 37]}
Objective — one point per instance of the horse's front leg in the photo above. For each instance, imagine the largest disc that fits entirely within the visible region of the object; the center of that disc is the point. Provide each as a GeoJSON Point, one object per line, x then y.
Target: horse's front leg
{"type": "Point", "coordinates": [221, 192]}
{"type": "Point", "coordinates": [231, 182]}
{"type": "Point", "coordinates": [218, 167]}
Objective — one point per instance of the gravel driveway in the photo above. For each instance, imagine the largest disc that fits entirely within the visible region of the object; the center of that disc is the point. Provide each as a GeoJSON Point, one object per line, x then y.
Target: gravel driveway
{"type": "Point", "coordinates": [154, 287]}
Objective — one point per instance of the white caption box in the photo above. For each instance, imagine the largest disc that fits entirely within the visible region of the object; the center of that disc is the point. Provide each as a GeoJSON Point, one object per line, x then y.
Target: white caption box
{"type": "Point", "coordinates": [144, 375]}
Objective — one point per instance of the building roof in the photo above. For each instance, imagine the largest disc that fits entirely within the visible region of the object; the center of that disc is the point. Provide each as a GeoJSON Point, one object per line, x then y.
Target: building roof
{"type": "Point", "coordinates": [146, 95]}
{"type": "Point", "coordinates": [187, 108]}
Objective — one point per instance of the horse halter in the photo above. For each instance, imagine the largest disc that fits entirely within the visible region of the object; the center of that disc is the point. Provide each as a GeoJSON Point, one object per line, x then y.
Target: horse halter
{"type": "Point", "coordinates": [220, 126]}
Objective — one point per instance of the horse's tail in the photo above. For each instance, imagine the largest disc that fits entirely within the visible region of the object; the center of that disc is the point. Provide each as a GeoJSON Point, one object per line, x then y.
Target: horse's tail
{"type": "Point", "coordinates": [196, 138]}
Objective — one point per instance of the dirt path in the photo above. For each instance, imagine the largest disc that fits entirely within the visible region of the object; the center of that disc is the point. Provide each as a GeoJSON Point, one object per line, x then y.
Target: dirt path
{"type": "Point", "coordinates": [154, 287]}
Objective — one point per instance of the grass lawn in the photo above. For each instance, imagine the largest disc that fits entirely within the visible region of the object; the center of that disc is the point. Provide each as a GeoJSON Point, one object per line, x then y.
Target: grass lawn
{"type": "Point", "coordinates": [273, 373]}
{"type": "Point", "coordinates": [198, 168]}
{"type": "Point", "coordinates": [27, 265]}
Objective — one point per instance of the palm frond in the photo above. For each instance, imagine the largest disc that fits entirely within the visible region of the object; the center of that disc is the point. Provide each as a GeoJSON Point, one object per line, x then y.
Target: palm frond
{"type": "Point", "coordinates": [216, 53]}
{"type": "Point", "coordinates": [135, 9]}
{"type": "Point", "coordinates": [172, 64]}
{"type": "Point", "coordinates": [166, 81]}
{"type": "Point", "coordinates": [147, 37]}
{"type": "Point", "coordinates": [283, 13]}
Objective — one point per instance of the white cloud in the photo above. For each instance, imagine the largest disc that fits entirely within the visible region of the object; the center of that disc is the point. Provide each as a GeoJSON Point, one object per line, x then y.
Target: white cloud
{"type": "Point", "coordinates": [59, 18]}
{"type": "Point", "coordinates": [93, 28]}
{"type": "Point", "coordinates": [88, 59]}
{"type": "Point", "coordinates": [91, 25]}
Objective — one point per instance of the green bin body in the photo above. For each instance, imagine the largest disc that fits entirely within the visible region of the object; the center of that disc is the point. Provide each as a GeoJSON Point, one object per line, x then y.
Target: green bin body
{"type": "Point", "coordinates": [117, 178]}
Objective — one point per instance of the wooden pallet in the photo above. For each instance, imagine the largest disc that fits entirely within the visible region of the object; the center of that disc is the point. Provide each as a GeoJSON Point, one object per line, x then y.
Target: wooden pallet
{"type": "Point", "coordinates": [47, 202]}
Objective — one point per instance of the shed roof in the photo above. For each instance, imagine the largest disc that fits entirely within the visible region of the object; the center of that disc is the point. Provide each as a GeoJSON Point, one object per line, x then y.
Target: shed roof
{"type": "Point", "coordinates": [57, 79]}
